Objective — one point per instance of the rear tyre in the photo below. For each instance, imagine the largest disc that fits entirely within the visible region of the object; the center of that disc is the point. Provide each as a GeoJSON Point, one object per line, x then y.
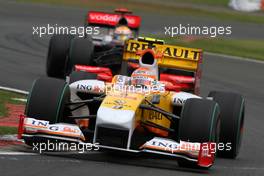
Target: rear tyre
{"type": "Point", "coordinates": [81, 52]}
{"type": "Point", "coordinates": [232, 112]}
{"type": "Point", "coordinates": [47, 100]}
{"type": "Point", "coordinates": [199, 123]}
{"type": "Point", "coordinates": [57, 55]}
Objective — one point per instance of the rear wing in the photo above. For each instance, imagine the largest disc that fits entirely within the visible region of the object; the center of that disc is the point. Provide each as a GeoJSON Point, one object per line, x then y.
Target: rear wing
{"type": "Point", "coordinates": [173, 56]}
{"type": "Point", "coordinates": [110, 20]}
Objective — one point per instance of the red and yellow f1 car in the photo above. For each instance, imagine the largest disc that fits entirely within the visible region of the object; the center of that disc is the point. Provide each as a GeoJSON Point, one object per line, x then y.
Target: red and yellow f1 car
{"type": "Point", "coordinates": [153, 107]}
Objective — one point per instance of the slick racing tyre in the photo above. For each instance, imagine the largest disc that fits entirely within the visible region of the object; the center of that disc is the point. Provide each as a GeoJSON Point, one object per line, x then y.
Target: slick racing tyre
{"type": "Point", "coordinates": [199, 123]}
{"type": "Point", "coordinates": [232, 112]}
{"type": "Point", "coordinates": [46, 101]}
{"type": "Point", "coordinates": [57, 55]}
{"type": "Point", "coordinates": [81, 52]}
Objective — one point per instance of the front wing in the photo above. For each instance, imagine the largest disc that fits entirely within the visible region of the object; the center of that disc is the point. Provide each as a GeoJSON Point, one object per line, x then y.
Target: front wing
{"type": "Point", "coordinates": [195, 152]}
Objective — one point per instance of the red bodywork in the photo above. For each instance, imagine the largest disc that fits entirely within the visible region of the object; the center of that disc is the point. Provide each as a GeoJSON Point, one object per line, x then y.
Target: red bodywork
{"type": "Point", "coordinates": [20, 129]}
{"type": "Point", "coordinates": [103, 73]}
{"type": "Point", "coordinates": [207, 154]}
{"type": "Point", "coordinates": [112, 19]}
{"type": "Point", "coordinates": [172, 82]}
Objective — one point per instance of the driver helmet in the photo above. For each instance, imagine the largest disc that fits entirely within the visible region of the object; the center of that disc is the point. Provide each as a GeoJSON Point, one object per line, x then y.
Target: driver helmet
{"type": "Point", "coordinates": [122, 33]}
{"type": "Point", "coordinates": [143, 77]}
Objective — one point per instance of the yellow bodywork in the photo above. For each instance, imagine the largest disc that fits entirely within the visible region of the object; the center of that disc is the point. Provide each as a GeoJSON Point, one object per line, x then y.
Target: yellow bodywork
{"type": "Point", "coordinates": [173, 56]}
{"type": "Point", "coordinates": [132, 101]}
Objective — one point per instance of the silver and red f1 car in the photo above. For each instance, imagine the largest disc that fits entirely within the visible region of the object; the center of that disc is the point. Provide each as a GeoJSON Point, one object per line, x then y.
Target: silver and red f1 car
{"type": "Point", "coordinates": [103, 48]}
{"type": "Point", "coordinates": [153, 107]}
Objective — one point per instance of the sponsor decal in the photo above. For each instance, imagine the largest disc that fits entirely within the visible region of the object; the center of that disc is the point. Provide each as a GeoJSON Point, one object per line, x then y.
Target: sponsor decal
{"type": "Point", "coordinates": [90, 88]}
{"type": "Point", "coordinates": [68, 129]}
{"type": "Point", "coordinates": [124, 96]}
{"type": "Point", "coordinates": [97, 89]}
{"type": "Point", "coordinates": [33, 126]}
{"type": "Point", "coordinates": [118, 104]}
{"type": "Point", "coordinates": [122, 80]}
{"type": "Point", "coordinates": [103, 17]}
{"type": "Point", "coordinates": [40, 123]}
{"type": "Point", "coordinates": [204, 151]}
{"type": "Point", "coordinates": [54, 128]}
{"type": "Point", "coordinates": [171, 146]}
{"type": "Point", "coordinates": [153, 115]}
{"type": "Point", "coordinates": [84, 87]}
{"type": "Point", "coordinates": [64, 128]}
{"type": "Point", "coordinates": [113, 19]}
{"type": "Point", "coordinates": [179, 101]}
{"type": "Point", "coordinates": [168, 50]}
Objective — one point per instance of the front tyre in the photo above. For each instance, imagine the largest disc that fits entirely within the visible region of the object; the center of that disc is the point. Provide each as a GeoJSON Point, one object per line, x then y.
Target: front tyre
{"type": "Point", "coordinates": [47, 101]}
{"type": "Point", "coordinates": [199, 123]}
{"type": "Point", "coordinates": [232, 112]}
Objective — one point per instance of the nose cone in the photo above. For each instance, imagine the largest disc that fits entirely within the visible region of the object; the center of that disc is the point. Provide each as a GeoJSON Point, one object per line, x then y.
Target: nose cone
{"type": "Point", "coordinates": [115, 117]}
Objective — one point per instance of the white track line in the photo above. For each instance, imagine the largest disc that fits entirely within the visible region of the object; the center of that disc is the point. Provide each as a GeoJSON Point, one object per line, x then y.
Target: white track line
{"type": "Point", "coordinates": [20, 99]}
{"type": "Point", "coordinates": [14, 90]}
{"type": "Point", "coordinates": [9, 137]}
{"type": "Point", "coordinates": [16, 153]}
{"type": "Point", "coordinates": [240, 168]}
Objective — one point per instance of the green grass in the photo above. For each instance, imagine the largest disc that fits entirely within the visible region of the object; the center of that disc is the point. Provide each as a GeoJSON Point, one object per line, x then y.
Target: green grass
{"type": "Point", "coordinates": [224, 16]}
{"type": "Point", "coordinates": [6, 97]}
{"type": "Point", "coordinates": [207, 2]}
{"type": "Point", "coordinates": [244, 48]}
{"type": "Point", "coordinates": [8, 130]}
{"type": "Point", "coordinates": [166, 9]}
{"type": "Point", "coordinates": [120, 2]}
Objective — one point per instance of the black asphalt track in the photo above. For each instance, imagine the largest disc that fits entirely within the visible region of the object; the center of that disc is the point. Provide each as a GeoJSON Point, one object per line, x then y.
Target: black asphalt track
{"type": "Point", "coordinates": [22, 59]}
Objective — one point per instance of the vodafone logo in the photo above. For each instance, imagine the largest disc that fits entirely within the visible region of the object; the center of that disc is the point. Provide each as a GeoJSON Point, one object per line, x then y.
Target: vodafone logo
{"type": "Point", "coordinates": [112, 19]}
{"type": "Point", "coordinates": [104, 17]}
{"type": "Point", "coordinates": [130, 20]}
